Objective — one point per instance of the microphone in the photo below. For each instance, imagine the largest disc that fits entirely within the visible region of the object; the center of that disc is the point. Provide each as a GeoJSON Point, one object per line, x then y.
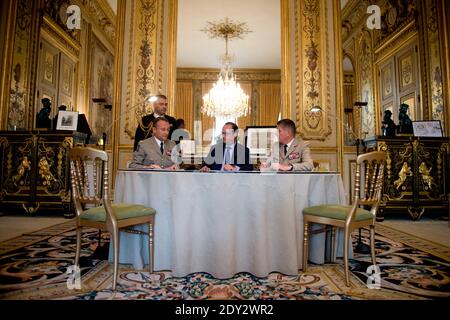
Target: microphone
{"type": "Point", "coordinates": [102, 141]}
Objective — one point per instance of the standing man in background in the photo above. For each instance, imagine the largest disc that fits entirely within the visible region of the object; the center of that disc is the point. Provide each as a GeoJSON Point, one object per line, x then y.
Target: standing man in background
{"type": "Point", "coordinates": [143, 131]}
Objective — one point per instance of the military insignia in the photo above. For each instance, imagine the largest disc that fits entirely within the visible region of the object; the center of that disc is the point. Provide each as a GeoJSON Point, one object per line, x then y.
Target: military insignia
{"type": "Point", "coordinates": [294, 155]}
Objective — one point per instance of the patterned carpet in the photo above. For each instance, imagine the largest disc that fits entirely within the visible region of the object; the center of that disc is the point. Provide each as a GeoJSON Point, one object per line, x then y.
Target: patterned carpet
{"type": "Point", "coordinates": [34, 266]}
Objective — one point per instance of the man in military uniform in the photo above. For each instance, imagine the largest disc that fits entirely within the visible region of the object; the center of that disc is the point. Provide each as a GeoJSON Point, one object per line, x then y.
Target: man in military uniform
{"type": "Point", "coordinates": [143, 131]}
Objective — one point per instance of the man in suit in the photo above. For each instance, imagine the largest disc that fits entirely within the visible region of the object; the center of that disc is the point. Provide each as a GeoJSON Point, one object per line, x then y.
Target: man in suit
{"type": "Point", "coordinates": [289, 153]}
{"type": "Point", "coordinates": [159, 110]}
{"type": "Point", "coordinates": [228, 154]}
{"type": "Point", "coordinates": [155, 152]}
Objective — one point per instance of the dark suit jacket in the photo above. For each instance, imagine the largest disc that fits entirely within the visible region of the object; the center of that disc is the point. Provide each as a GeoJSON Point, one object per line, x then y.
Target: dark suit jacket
{"type": "Point", "coordinates": [241, 157]}
{"type": "Point", "coordinates": [141, 134]}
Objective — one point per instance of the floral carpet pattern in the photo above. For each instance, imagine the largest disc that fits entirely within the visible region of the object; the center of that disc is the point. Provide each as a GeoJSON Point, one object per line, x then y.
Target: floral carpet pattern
{"type": "Point", "coordinates": [406, 268]}
{"type": "Point", "coordinates": [34, 267]}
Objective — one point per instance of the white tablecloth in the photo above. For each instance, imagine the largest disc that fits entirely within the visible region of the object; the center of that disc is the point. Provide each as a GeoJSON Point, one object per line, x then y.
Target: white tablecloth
{"type": "Point", "coordinates": [225, 223]}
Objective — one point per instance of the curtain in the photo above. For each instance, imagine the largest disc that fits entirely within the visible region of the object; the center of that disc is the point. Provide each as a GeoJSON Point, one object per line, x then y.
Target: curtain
{"type": "Point", "coordinates": [269, 104]}
{"type": "Point", "coordinates": [184, 105]}
{"type": "Point", "coordinates": [245, 121]}
{"type": "Point", "coordinates": [207, 122]}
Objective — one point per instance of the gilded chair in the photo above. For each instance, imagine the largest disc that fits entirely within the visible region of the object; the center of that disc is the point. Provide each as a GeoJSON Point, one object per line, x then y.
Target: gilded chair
{"type": "Point", "coordinates": [350, 217]}
{"type": "Point", "coordinates": [94, 208]}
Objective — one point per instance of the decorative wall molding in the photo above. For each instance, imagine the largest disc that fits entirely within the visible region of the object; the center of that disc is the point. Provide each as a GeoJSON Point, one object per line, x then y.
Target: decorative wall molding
{"type": "Point", "coordinates": [312, 69]}
{"type": "Point", "coordinates": [22, 68]}
{"type": "Point", "coordinates": [143, 60]}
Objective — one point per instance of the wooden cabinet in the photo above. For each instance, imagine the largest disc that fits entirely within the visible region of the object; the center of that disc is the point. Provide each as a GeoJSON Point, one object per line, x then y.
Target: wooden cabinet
{"type": "Point", "coordinates": [416, 178]}
{"type": "Point", "coordinates": [35, 171]}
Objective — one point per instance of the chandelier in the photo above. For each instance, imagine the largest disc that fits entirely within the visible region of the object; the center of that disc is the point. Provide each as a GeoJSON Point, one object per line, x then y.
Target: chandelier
{"type": "Point", "coordinates": [226, 98]}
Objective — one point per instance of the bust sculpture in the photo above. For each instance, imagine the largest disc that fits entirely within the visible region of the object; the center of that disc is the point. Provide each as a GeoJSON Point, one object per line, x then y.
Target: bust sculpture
{"type": "Point", "coordinates": [404, 122]}
{"type": "Point", "coordinates": [388, 127]}
{"type": "Point", "coordinates": [43, 116]}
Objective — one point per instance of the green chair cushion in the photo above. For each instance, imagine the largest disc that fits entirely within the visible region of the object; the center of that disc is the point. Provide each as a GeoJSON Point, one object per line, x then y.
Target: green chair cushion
{"type": "Point", "coordinates": [122, 211]}
{"type": "Point", "coordinates": [338, 212]}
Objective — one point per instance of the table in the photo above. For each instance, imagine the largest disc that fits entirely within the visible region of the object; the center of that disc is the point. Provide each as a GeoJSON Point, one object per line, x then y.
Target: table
{"type": "Point", "coordinates": [224, 223]}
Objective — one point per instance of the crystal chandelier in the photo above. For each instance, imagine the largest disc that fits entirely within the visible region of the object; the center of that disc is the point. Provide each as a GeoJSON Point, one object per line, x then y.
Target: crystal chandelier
{"type": "Point", "coordinates": [226, 99]}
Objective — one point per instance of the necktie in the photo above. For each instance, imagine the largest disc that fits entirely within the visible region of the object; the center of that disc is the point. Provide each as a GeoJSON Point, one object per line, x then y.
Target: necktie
{"type": "Point", "coordinates": [285, 149]}
{"type": "Point", "coordinates": [228, 155]}
{"type": "Point", "coordinates": [161, 147]}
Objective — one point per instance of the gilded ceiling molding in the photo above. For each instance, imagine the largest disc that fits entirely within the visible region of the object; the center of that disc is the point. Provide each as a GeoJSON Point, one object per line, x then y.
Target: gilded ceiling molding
{"type": "Point", "coordinates": [59, 38]}
{"type": "Point", "coordinates": [101, 15]}
{"type": "Point", "coordinates": [389, 46]}
{"type": "Point", "coordinates": [142, 61]}
{"type": "Point", "coordinates": [312, 84]}
{"type": "Point", "coordinates": [207, 74]}
{"type": "Point", "coordinates": [353, 15]}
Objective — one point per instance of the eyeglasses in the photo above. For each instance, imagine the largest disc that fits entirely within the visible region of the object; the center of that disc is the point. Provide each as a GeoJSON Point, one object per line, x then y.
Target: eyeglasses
{"type": "Point", "coordinates": [228, 133]}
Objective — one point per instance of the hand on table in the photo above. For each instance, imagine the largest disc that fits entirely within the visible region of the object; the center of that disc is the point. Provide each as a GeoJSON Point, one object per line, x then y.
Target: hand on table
{"type": "Point", "coordinates": [229, 167]}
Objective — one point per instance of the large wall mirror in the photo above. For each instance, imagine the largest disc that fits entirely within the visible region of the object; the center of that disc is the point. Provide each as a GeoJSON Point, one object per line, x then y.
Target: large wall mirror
{"type": "Point", "coordinates": [257, 61]}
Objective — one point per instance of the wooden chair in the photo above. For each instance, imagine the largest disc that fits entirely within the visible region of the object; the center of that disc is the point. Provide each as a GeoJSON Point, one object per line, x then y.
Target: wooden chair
{"type": "Point", "coordinates": [351, 217]}
{"type": "Point", "coordinates": [90, 192]}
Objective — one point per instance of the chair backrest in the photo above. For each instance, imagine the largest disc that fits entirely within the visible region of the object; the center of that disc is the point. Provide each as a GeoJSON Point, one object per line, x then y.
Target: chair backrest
{"type": "Point", "coordinates": [89, 185]}
{"type": "Point", "coordinates": [371, 165]}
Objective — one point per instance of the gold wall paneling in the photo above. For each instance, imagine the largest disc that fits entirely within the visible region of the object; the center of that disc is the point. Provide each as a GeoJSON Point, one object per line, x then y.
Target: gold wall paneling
{"type": "Point", "coordinates": [444, 36]}
{"type": "Point", "coordinates": [312, 68]}
{"type": "Point", "coordinates": [142, 56]}
{"type": "Point", "coordinates": [23, 67]}
{"type": "Point", "coordinates": [432, 62]}
{"type": "Point", "coordinates": [7, 25]}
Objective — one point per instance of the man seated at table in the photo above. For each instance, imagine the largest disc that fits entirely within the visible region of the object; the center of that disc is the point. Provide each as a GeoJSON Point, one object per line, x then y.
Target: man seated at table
{"type": "Point", "coordinates": [228, 154]}
{"type": "Point", "coordinates": [289, 153]}
{"type": "Point", "coordinates": [155, 152]}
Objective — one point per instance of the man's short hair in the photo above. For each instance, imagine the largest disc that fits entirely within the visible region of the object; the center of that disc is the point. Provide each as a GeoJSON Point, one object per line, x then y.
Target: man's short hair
{"type": "Point", "coordinates": [160, 119]}
{"type": "Point", "coordinates": [233, 125]}
{"type": "Point", "coordinates": [179, 122]}
{"type": "Point", "coordinates": [161, 96]}
{"type": "Point", "coordinates": [288, 124]}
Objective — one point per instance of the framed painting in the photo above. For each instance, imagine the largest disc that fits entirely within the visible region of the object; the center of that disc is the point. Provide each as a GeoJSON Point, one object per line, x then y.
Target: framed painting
{"type": "Point", "coordinates": [67, 120]}
{"type": "Point", "coordinates": [430, 128]}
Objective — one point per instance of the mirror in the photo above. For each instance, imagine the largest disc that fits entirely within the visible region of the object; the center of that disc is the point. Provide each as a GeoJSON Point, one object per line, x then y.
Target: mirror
{"type": "Point", "coordinates": [256, 61]}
